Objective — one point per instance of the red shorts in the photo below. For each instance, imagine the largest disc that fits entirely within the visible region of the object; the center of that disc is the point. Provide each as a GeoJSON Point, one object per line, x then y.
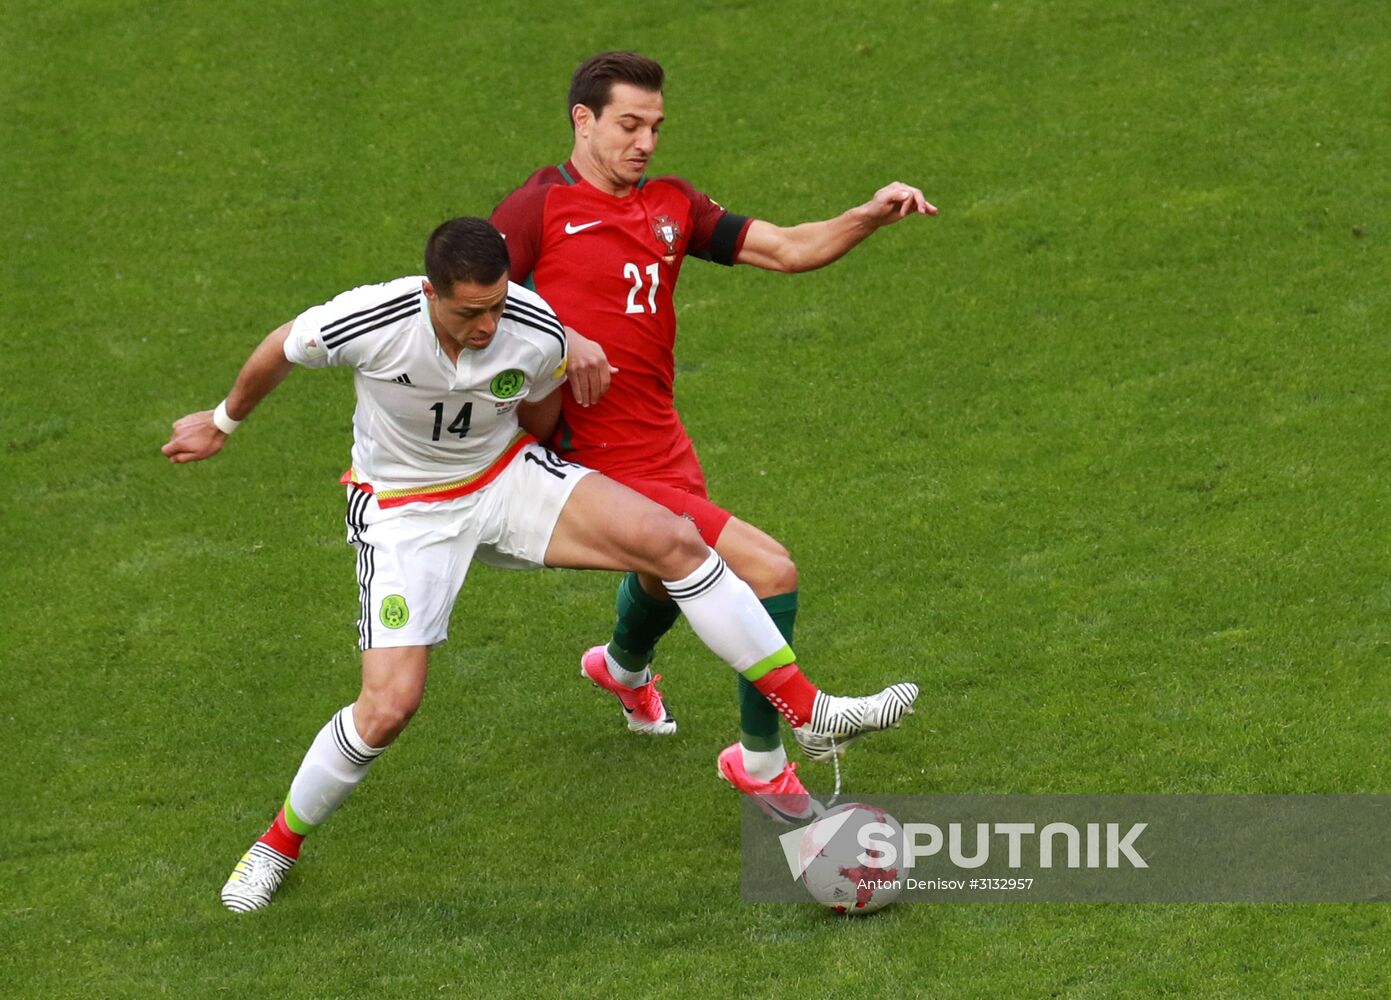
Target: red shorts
{"type": "Point", "coordinates": [677, 483]}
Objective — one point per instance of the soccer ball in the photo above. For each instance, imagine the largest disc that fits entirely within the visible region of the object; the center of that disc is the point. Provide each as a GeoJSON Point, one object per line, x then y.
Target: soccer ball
{"type": "Point", "coordinates": [835, 876]}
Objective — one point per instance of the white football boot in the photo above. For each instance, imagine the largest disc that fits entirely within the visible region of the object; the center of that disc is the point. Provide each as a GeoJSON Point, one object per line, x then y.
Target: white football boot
{"type": "Point", "coordinates": [255, 878]}
{"type": "Point", "coordinates": [836, 721]}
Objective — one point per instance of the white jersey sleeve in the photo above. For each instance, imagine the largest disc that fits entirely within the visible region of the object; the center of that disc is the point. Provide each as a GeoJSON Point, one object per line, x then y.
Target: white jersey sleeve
{"type": "Point", "coordinates": [339, 332]}
{"type": "Point", "coordinates": [532, 316]}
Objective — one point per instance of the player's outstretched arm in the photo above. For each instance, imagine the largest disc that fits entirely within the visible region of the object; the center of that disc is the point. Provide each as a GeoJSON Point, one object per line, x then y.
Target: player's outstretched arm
{"type": "Point", "coordinates": [816, 244]}
{"type": "Point", "coordinates": [197, 437]}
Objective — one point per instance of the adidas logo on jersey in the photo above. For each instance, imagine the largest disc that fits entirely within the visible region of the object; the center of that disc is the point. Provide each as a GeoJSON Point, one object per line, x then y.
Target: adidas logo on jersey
{"type": "Point", "coordinates": [403, 379]}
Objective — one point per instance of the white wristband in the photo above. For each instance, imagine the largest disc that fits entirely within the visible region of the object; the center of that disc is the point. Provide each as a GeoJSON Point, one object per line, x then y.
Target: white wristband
{"type": "Point", "coordinates": [222, 421]}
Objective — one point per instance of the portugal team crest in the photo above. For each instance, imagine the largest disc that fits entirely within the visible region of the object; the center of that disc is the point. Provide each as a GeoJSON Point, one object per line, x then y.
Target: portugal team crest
{"type": "Point", "coordinates": [668, 232]}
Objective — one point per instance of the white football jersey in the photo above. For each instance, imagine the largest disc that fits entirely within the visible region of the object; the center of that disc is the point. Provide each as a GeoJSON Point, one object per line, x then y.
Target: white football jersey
{"type": "Point", "coordinates": [422, 419]}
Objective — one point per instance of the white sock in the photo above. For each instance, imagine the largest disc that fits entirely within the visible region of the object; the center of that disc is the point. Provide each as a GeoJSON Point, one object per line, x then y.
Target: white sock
{"type": "Point", "coordinates": [725, 614]}
{"type": "Point", "coordinates": [337, 761]}
{"type": "Point", "coordinates": [628, 678]}
{"type": "Point", "coordinates": [764, 765]}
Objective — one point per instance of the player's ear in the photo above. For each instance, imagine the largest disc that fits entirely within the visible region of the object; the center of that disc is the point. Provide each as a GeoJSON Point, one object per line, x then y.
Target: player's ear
{"type": "Point", "coordinates": [581, 118]}
{"type": "Point", "coordinates": [429, 290]}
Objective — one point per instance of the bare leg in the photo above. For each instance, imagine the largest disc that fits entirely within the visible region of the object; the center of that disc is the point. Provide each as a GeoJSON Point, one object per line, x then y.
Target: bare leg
{"type": "Point", "coordinates": [393, 683]}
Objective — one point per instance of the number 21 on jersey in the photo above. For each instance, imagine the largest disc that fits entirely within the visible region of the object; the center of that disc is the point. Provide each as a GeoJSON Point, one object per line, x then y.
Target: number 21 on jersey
{"type": "Point", "coordinates": [631, 272]}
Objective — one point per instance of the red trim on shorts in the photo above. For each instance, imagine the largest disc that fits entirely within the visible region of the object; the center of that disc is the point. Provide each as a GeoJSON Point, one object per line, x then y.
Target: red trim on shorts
{"type": "Point", "coordinates": [443, 491]}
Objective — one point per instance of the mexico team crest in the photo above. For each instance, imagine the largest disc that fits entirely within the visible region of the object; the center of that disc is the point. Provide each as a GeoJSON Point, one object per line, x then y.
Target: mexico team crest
{"type": "Point", "coordinates": [668, 232]}
{"type": "Point", "coordinates": [394, 613]}
{"type": "Point", "coordinates": [507, 384]}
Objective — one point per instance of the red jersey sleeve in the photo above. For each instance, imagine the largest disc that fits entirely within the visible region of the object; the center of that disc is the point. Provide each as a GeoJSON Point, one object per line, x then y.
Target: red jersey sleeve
{"type": "Point", "coordinates": [520, 217]}
{"type": "Point", "coordinates": [716, 234]}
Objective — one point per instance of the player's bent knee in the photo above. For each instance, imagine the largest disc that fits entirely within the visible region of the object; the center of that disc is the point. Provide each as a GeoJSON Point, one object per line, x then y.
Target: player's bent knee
{"type": "Point", "coordinates": [688, 547]}
{"type": "Point", "coordinates": [385, 721]}
{"type": "Point", "coordinates": [781, 575]}
{"type": "Point", "coordinates": [380, 715]}
{"type": "Point", "coordinates": [769, 570]}
{"type": "Point", "coordinates": [670, 546]}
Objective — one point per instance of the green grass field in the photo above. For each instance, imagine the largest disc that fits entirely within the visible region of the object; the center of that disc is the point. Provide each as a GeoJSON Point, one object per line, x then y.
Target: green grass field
{"type": "Point", "coordinates": [1099, 456]}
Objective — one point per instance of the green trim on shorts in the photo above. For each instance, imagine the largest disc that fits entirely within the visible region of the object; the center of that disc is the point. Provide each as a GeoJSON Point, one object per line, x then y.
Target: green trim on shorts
{"type": "Point", "coordinates": [768, 664]}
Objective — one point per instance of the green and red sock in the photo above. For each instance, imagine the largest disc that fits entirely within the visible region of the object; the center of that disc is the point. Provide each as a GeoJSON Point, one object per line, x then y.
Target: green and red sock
{"type": "Point", "coordinates": [281, 838]}
{"type": "Point", "coordinates": [787, 689]}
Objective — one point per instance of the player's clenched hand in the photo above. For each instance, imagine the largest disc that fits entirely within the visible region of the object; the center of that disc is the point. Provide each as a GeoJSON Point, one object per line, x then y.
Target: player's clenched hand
{"type": "Point", "coordinates": [895, 201]}
{"type": "Point", "coordinates": [589, 370]}
{"type": "Point", "coordinates": [195, 437]}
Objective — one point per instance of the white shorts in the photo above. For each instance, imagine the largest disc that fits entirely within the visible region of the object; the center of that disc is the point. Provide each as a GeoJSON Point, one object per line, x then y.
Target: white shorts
{"type": "Point", "coordinates": [412, 559]}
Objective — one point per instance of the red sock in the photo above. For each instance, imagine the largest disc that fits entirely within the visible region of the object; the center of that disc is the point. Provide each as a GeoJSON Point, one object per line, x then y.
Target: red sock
{"type": "Point", "coordinates": [281, 838]}
{"type": "Point", "coordinates": [789, 692]}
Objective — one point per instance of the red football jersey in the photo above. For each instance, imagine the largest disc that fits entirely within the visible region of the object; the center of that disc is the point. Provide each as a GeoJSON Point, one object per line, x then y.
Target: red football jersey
{"type": "Point", "coordinates": [608, 267]}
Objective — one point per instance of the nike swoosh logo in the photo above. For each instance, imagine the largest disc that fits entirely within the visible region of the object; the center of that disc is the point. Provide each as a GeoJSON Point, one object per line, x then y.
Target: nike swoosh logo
{"type": "Point", "coordinates": [571, 229]}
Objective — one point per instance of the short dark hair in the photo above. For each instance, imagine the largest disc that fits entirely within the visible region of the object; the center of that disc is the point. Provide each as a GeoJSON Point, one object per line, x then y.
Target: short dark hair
{"type": "Point", "coordinates": [466, 249]}
{"type": "Point", "coordinates": [595, 78]}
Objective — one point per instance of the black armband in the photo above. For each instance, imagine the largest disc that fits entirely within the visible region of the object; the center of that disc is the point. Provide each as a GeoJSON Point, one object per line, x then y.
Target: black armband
{"type": "Point", "coordinates": [724, 240]}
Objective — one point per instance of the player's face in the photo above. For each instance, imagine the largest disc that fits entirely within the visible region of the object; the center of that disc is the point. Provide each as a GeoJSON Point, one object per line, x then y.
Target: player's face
{"type": "Point", "coordinates": [618, 144]}
{"type": "Point", "coordinates": [468, 315]}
